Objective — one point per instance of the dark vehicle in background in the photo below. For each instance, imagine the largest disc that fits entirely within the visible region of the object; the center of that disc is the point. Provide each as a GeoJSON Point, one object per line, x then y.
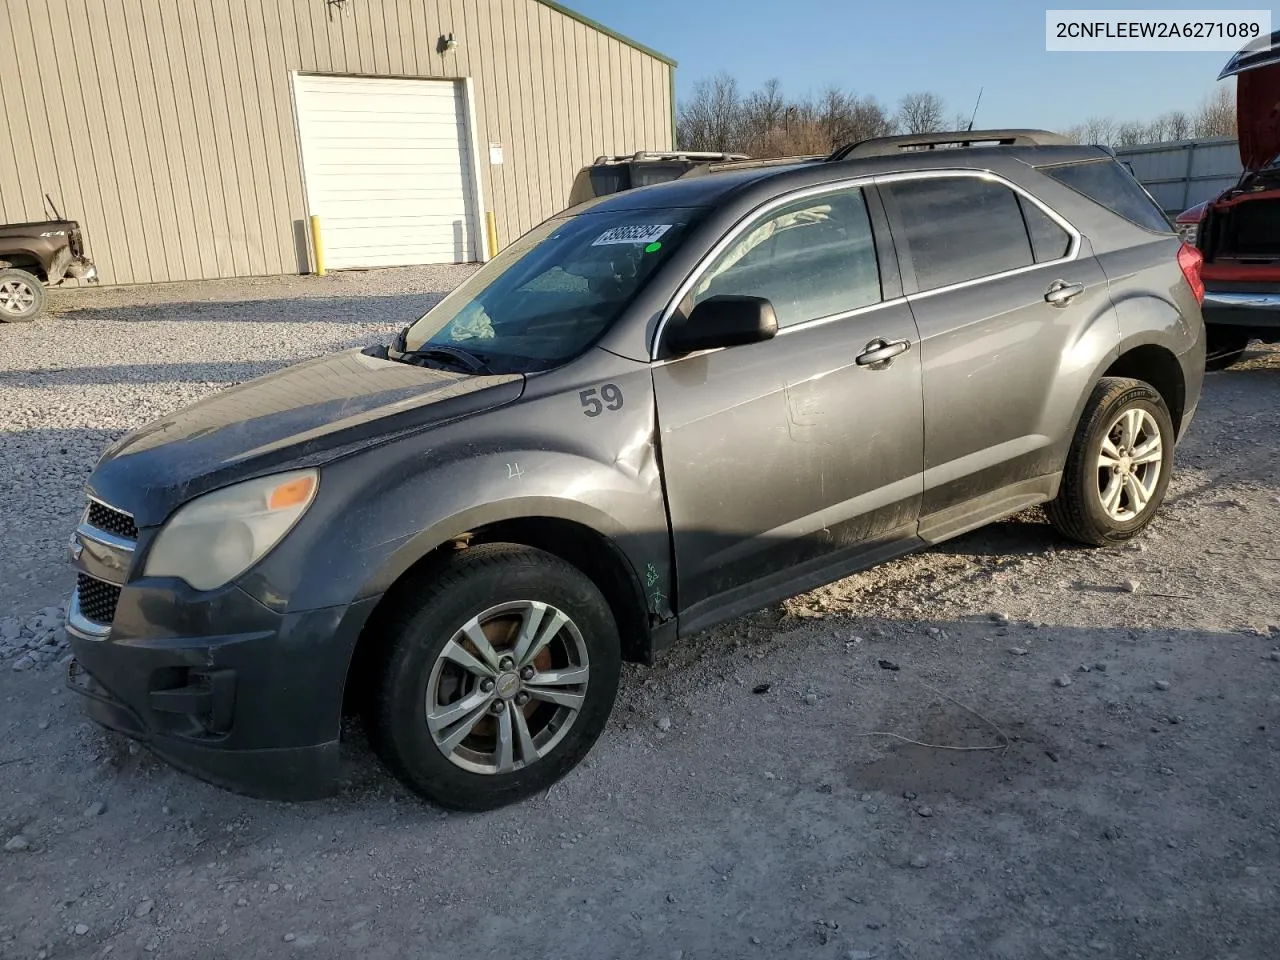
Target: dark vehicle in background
{"type": "Point", "coordinates": [1239, 231]}
{"type": "Point", "coordinates": [653, 413]}
{"type": "Point", "coordinates": [609, 175]}
{"type": "Point", "coordinates": [36, 255]}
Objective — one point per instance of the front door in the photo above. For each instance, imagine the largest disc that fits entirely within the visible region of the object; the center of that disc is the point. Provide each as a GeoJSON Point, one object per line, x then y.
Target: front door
{"type": "Point", "coordinates": [786, 460]}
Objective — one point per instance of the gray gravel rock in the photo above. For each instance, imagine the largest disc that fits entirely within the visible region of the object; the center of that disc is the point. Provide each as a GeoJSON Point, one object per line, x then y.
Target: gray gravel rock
{"type": "Point", "coordinates": [16, 843]}
{"type": "Point", "coordinates": [663, 724]}
{"type": "Point", "coordinates": [1064, 681]}
{"type": "Point", "coordinates": [95, 809]}
{"type": "Point", "coordinates": [23, 663]}
{"type": "Point", "coordinates": [1162, 684]}
{"type": "Point", "coordinates": [919, 861]}
{"type": "Point", "coordinates": [143, 908]}
{"type": "Point", "coordinates": [1019, 651]}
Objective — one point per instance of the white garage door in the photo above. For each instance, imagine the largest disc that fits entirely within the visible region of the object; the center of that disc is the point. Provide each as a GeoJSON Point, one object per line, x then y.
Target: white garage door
{"type": "Point", "coordinates": [389, 170]}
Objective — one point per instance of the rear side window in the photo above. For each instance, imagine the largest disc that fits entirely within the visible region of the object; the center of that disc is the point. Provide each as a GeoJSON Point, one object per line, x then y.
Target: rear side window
{"type": "Point", "coordinates": [1048, 240]}
{"type": "Point", "coordinates": [1109, 184]}
{"type": "Point", "coordinates": [960, 228]}
{"type": "Point", "coordinates": [811, 258]}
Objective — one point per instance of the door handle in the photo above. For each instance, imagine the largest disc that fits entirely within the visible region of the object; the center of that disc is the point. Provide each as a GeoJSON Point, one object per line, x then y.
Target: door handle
{"type": "Point", "coordinates": [1060, 293]}
{"type": "Point", "coordinates": [880, 353]}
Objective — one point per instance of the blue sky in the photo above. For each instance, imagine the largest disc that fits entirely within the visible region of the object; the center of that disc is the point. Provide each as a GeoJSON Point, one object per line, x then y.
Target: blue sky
{"type": "Point", "coordinates": [952, 47]}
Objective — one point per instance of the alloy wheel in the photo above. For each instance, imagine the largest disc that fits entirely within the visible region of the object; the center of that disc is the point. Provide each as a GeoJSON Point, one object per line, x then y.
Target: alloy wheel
{"type": "Point", "coordinates": [1130, 460]}
{"type": "Point", "coordinates": [507, 687]}
{"type": "Point", "coordinates": [16, 297]}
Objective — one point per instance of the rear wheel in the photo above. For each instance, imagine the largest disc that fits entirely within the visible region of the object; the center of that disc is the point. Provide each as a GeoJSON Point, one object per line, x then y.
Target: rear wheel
{"type": "Point", "coordinates": [1118, 468]}
{"type": "Point", "coordinates": [1224, 348]}
{"type": "Point", "coordinates": [22, 296]}
{"type": "Point", "coordinates": [498, 679]}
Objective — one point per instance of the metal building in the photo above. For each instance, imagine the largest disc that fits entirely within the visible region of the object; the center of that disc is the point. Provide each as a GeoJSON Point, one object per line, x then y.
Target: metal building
{"type": "Point", "coordinates": [1181, 173]}
{"type": "Point", "coordinates": [193, 138]}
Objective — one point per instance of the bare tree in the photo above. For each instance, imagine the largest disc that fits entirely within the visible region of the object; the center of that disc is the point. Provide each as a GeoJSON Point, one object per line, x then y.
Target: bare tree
{"type": "Point", "coordinates": [1100, 130]}
{"type": "Point", "coordinates": [1177, 125]}
{"type": "Point", "coordinates": [1217, 115]}
{"type": "Point", "coordinates": [921, 113]}
{"type": "Point", "coordinates": [712, 118]}
{"type": "Point", "coordinates": [762, 113]}
{"type": "Point", "coordinates": [766, 123]}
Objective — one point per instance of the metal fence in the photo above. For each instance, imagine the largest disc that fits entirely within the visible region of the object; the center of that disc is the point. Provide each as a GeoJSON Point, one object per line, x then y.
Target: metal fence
{"type": "Point", "coordinates": [1182, 173]}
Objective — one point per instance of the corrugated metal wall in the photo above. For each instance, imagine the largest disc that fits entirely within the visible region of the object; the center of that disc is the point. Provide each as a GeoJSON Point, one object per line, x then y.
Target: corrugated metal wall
{"type": "Point", "coordinates": [1182, 173]}
{"type": "Point", "coordinates": [166, 127]}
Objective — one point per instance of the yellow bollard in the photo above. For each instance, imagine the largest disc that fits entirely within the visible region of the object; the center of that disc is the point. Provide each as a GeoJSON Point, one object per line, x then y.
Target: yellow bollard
{"type": "Point", "coordinates": [317, 245]}
{"type": "Point", "coordinates": [492, 223]}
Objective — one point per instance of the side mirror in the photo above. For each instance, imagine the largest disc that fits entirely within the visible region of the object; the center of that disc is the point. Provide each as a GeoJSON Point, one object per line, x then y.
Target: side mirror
{"type": "Point", "coordinates": [724, 321]}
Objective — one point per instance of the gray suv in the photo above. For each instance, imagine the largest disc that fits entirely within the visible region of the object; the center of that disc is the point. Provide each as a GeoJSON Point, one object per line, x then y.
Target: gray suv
{"type": "Point", "coordinates": [646, 416]}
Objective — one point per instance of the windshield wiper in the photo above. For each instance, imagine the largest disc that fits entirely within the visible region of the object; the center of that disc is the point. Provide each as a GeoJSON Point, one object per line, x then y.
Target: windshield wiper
{"type": "Point", "coordinates": [469, 361]}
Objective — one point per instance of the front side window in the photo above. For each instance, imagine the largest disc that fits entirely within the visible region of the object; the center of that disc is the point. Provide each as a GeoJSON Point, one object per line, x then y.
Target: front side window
{"type": "Point", "coordinates": [811, 258]}
{"type": "Point", "coordinates": [960, 228]}
{"type": "Point", "coordinates": [555, 291]}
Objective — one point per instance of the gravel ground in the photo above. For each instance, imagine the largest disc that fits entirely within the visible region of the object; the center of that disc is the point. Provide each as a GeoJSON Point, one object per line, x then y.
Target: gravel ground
{"type": "Point", "coordinates": [751, 796]}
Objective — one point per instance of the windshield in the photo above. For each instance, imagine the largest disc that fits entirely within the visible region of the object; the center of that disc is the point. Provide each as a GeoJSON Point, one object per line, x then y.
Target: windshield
{"type": "Point", "coordinates": [555, 291]}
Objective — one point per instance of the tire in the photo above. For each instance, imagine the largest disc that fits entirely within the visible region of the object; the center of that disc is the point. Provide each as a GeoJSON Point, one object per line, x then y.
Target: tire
{"type": "Point", "coordinates": [1078, 512]}
{"type": "Point", "coordinates": [22, 296]}
{"type": "Point", "coordinates": [493, 589]}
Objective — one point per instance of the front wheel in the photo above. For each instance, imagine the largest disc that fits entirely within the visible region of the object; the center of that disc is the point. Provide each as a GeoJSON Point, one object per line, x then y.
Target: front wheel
{"type": "Point", "coordinates": [499, 677]}
{"type": "Point", "coordinates": [1119, 465]}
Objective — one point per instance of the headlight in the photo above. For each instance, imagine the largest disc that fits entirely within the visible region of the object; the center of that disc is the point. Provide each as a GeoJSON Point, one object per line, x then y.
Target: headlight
{"type": "Point", "coordinates": [219, 536]}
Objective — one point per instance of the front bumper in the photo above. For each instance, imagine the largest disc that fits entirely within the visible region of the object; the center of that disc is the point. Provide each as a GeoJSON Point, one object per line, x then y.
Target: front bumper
{"type": "Point", "coordinates": [257, 710]}
{"type": "Point", "coordinates": [1258, 310]}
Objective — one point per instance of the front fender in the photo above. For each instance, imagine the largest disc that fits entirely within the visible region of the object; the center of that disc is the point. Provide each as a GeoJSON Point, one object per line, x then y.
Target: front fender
{"type": "Point", "coordinates": [379, 512]}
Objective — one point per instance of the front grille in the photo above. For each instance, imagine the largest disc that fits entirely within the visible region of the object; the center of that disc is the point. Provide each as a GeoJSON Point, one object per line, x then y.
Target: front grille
{"type": "Point", "coordinates": [111, 520]}
{"type": "Point", "coordinates": [97, 600]}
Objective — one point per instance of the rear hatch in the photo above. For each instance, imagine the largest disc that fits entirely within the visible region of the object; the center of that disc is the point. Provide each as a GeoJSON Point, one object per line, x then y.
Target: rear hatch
{"type": "Point", "coordinates": [1240, 234]}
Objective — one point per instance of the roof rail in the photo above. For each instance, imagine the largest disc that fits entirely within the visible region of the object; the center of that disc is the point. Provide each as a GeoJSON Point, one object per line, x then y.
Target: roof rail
{"type": "Point", "coordinates": [747, 163]}
{"type": "Point", "coordinates": [891, 146]}
{"type": "Point", "coordinates": [671, 155]}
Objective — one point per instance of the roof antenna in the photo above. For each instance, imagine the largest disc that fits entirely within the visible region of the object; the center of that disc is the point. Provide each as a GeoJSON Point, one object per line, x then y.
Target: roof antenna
{"type": "Point", "coordinates": [974, 115]}
{"type": "Point", "coordinates": [51, 204]}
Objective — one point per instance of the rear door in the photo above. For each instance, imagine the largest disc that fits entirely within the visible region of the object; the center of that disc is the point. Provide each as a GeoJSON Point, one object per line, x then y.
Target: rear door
{"type": "Point", "coordinates": [1002, 296]}
{"type": "Point", "coordinates": [785, 461]}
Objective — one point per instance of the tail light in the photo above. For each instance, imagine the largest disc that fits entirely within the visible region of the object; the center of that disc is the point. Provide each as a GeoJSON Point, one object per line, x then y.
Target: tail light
{"type": "Point", "coordinates": [1190, 260]}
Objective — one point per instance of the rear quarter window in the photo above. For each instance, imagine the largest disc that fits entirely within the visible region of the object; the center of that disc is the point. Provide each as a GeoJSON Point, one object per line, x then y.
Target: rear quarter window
{"type": "Point", "coordinates": [1107, 183]}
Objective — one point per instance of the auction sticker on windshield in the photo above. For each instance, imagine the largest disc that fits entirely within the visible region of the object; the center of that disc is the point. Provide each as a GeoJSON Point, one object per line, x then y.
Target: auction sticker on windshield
{"type": "Point", "coordinates": [636, 233]}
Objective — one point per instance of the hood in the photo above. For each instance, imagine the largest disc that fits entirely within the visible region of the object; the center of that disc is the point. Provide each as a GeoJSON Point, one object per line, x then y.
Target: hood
{"type": "Point", "coordinates": [1257, 71]}
{"type": "Point", "coordinates": [302, 416]}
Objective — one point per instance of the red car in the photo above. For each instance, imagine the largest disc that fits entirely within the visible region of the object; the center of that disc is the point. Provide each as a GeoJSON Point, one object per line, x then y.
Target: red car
{"type": "Point", "coordinates": [1239, 231]}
